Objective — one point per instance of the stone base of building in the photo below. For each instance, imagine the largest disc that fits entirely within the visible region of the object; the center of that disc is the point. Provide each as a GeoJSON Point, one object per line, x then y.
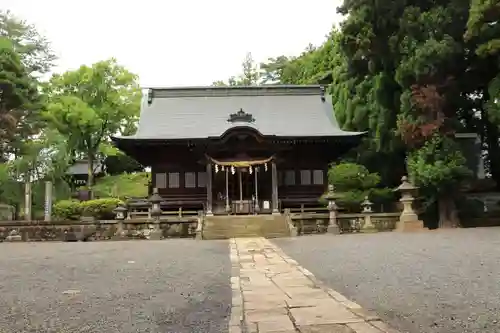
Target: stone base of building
{"type": "Point", "coordinates": [410, 226]}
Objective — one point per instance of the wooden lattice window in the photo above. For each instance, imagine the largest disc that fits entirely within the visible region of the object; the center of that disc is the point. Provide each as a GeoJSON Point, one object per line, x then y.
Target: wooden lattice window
{"type": "Point", "coordinates": [289, 177]}
{"type": "Point", "coordinates": [161, 180]}
{"type": "Point", "coordinates": [318, 177]}
{"type": "Point", "coordinates": [202, 179]}
{"type": "Point", "coordinates": [305, 177]}
{"type": "Point", "coordinates": [173, 180]}
{"type": "Point", "coordinates": [189, 180]}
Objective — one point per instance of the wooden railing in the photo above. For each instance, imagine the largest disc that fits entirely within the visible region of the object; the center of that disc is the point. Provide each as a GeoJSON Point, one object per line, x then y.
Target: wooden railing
{"type": "Point", "coordinates": [145, 214]}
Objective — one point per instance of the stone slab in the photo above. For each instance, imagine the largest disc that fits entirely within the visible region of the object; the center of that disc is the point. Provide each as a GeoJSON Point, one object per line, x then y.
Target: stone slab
{"type": "Point", "coordinates": [363, 327]}
{"type": "Point", "coordinates": [275, 314]}
{"type": "Point", "coordinates": [328, 328]}
{"type": "Point", "coordinates": [323, 315]}
{"type": "Point", "coordinates": [275, 325]}
{"type": "Point", "coordinates": [313, 302]}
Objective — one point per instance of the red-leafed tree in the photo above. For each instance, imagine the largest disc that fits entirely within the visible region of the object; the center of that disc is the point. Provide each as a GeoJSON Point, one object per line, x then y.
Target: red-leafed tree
{"type": "Point", "coordinates": [435, 162]}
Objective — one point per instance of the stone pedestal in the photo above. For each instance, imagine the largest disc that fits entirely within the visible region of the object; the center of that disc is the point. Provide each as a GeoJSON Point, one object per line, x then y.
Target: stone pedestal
{"type": "Point", "coordinates": [416, 225]}
{"type": "Point", "coordinates": [368, 226]}
{"type": "Point", "coordinates": [333, 229]}
{"type": "Point", "coordinates": [120, 231]}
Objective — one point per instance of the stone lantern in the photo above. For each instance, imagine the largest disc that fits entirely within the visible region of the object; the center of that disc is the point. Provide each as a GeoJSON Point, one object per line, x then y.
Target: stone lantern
{"type": "Point", "coordinates": [333, 227]}
{"type": "Point", "coordinates": [367, 211]}
{"type": "Point", "coordinates": [120, 214]}
{"type": "Point", "coordinates": [155, 199]}
{"type": "Point", "coordinates": [366, 205]}
{"type": "Point", "coordinates": [409, 219]}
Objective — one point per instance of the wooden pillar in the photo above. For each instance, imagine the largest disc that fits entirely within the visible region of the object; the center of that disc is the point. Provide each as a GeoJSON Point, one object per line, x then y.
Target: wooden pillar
{"type": "Point", "coordinates": [257, 207]}
{"type": "Point", "coordinates": [241, 189]}
{"type": "Point", "coordinates": [228, 207]}
{"type": "Point", "coordinates": [209, 188]}
{"type": "Point", "coordinates": [274, 177]}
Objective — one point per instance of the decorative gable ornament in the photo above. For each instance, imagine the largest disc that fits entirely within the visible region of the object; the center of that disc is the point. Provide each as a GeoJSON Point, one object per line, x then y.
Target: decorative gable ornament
{"type": "Point", "coordinates": [241, 116]}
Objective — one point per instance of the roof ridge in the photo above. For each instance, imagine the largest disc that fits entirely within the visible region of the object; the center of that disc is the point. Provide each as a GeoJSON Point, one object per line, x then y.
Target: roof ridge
{"type": "Point", "coordinates": [211, 91]}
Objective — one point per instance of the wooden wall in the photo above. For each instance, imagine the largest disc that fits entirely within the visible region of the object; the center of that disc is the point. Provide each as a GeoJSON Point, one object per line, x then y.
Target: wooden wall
{"type": "Point", "coordinates": [292, 163]}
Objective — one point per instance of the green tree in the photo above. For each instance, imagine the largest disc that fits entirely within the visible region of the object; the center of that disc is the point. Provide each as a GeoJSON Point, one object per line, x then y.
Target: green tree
{"type": "Point", "coordinates": [34, 49]}
{"type": "Point", "coordinates": [18, 96]}
{"type": "Point", "coordinates": [90, 104]}
{"type": "Point", "coordinates": [37, 57]}
{"type": "Point", "coordinates": [250, 75]}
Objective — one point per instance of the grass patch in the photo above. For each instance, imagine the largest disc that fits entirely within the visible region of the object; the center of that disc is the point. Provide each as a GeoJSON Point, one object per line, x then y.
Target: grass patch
{"type": "Point", "coordinates": [122, 186]}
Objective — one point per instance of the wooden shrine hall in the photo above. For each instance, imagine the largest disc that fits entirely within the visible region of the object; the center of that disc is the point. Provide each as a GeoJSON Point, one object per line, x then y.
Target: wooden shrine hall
{"type": "Point", "coordinates": [238, 150]}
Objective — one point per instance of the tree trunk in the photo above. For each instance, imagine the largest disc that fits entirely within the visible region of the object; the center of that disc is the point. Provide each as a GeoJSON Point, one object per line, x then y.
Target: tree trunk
{"type": "Point", "coordinates": [492, 137]}
{"type": "Point", "coordinates": [448, 215]}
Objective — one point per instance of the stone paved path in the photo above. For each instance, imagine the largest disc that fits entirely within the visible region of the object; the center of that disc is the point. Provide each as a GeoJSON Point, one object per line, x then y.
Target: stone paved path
{"type": "Point", "coordinates": [272, 293]}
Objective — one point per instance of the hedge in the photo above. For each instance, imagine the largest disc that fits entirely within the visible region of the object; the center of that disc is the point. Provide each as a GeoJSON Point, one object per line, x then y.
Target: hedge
{"type": "Point", "coordinates": [101, 209]}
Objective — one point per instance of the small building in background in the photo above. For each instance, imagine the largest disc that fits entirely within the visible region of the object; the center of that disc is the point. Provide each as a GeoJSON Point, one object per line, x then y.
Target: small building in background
{"type": "Point", "coordinates": [78, 173]}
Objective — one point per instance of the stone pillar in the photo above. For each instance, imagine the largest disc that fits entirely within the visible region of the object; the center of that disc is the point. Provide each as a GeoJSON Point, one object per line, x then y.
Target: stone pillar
{"type": "Point", "coordinates": [209, 189]}
{"type": "Point", "coordinates": [274, 183]}
{"type": "Point", "coordinates": [48, 201]}
{"type": "Point", "coordinates": [27, 200]}
{"type": "Point", "coordinates": [333, 227]}
{"type": "Point", "coordinates": [408, 220]}
{"type": "Point", "coordinates": [367, 212]}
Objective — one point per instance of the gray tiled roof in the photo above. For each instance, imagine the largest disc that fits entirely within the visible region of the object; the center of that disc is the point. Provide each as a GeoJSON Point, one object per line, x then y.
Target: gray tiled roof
{"type": "Point", "coordinates": [202, 112]}
{"type": "Point", "coordinates": [81, 168]}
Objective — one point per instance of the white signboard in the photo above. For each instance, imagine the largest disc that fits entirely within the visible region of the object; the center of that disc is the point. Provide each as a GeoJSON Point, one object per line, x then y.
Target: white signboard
{"type": "Point", "coordinates": [266, 204]}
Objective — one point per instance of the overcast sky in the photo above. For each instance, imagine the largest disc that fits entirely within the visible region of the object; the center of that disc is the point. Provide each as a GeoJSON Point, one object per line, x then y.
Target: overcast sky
{"type": "Point", "coordinates": [177, 42]}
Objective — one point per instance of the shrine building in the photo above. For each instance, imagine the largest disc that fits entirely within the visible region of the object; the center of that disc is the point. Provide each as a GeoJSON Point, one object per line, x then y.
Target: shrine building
{"type": "Point", "coordinates": [238, 150]}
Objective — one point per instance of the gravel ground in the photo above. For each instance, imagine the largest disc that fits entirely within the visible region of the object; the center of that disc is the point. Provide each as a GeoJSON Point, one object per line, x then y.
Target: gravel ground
{"type": "Point", "coordinates": [439, 281]}
{"type": "Point", "coordinates": [172, 286]}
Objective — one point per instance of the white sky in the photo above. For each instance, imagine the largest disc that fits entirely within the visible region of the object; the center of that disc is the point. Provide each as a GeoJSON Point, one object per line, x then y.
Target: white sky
{"type": "Point", "coordinates": [177, 42]}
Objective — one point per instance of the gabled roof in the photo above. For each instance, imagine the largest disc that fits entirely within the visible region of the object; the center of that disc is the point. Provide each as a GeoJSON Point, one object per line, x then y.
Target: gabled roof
{"type": "Point", "coordinates": [205, 112]}
{"type": "Point", "coordinates": [80, 167]}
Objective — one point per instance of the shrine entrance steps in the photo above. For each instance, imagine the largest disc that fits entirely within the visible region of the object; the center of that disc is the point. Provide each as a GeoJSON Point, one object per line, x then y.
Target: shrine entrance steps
{"type": "Point", "coordinates": [237, 226]}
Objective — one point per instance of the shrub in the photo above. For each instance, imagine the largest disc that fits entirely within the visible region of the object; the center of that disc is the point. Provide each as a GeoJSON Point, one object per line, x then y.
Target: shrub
{"type": "Point", "coordinates": [348, 176]}
{"type": "Point", "coordinates": [353, 182]}
{"type": "Point", "coordinates": [101, 209]}
{"type": "Point", "coordinates": [67, 209]}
